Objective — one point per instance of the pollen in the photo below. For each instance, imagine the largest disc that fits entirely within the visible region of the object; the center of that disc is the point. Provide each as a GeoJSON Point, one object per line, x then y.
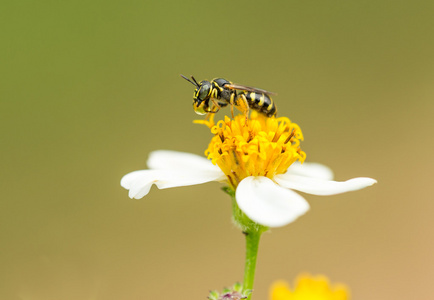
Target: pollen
{"type": "Point", "coordinates": [257, 146]}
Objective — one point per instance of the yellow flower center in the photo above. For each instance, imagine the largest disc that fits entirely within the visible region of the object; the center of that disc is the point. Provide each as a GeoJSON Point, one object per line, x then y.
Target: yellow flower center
{"type": "Point", "coordinates": [260, 146]}
{"type": "Point", "coordinates": [309, 288]}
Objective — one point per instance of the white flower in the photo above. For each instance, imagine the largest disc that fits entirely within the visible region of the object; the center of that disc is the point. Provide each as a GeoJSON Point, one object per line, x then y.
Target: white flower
{"type": "Point", "coordinates": [269, 202]}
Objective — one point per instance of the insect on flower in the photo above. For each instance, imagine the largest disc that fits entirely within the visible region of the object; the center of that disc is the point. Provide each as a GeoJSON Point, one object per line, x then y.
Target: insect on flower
{"type": "Point", "coordinates": [210, 96]}
{"type": "Point", "coordinates": [260, 160]}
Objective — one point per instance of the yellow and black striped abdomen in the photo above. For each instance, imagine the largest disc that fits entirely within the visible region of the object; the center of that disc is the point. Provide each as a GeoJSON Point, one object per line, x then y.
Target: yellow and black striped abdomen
{"type": "Point", "coordinates": [261, 103]}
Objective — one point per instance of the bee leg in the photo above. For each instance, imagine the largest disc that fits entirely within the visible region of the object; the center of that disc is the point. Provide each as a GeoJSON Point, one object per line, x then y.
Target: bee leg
{"type": "Point", "coordinates": [243, 104]}
{"type": "Point", "coordinates": [215, 108]}
{"type": "Point", "coordinates": [232, 102]}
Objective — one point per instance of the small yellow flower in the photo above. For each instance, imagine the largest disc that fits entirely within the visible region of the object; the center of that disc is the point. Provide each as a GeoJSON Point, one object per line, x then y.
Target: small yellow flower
{"type": "Point", "coordinates": [309, 288]}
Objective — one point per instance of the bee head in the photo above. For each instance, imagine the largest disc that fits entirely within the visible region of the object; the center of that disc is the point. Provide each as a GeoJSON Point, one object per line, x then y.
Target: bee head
{"type": "Point", "coordinates": [201, 95]}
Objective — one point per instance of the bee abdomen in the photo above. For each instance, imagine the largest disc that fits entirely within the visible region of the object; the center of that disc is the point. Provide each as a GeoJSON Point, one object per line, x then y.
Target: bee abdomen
{"type": "Point", "coordinates": [261, 103]}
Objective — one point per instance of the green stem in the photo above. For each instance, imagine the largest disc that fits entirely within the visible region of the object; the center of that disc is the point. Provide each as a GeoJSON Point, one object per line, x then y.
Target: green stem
{"type": "Point", "coordinates": [253, 233]}
{"type": "Point", "coordinates": [252, 244]}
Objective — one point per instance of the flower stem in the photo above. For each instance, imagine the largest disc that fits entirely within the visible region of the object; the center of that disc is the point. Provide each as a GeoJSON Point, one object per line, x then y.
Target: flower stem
{"type": "Point", "coordinates": [253, 232]}
{"type": "Point", "coordinates": [252, 244]}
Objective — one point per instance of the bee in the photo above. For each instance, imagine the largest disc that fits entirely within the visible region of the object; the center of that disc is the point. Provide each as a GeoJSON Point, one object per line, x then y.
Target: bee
{"type": "Point", "coordinates": [210, 96]}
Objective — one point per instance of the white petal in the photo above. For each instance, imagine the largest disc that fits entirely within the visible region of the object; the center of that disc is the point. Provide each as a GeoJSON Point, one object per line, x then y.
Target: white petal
{"type": "Point", "coordinates": [139, 182]}
{"type": "Point", "coordinates": [174, 160]}
{"type": "Point", "coordinates": [128, 180]}
{"type": "Point", "coordinates": [268, 204]}
{"type": "Point", "coordinates": [184, 178]}
{"type": "Point", "coordinates": [314, 170]}
{"type": "Point", "coordinates": [322, 187]}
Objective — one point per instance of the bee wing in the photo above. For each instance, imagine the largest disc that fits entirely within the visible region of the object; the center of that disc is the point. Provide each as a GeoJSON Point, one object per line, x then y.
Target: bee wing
{"type": "Point", "coordinates": [247, 88]}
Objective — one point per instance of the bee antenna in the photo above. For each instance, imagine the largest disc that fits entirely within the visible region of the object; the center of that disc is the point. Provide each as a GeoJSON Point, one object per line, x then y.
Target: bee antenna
{"type": "Point", "coordinates": [195, 80]}
{"type": "Point", "coordinates": [193, 83]}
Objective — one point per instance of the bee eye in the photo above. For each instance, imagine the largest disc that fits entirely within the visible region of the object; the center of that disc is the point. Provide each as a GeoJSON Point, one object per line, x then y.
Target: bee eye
{"type": "Point", "coordinates": [203, 92]}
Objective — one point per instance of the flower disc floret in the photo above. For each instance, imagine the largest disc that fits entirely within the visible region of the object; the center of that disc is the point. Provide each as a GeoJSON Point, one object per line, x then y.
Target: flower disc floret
{"type": "Point", "coordinates": [258, 146]}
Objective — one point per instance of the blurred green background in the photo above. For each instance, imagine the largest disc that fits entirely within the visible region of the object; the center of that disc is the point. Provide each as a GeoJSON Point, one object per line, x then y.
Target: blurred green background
{"type": "Point", "coordinates": [89, 88]}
